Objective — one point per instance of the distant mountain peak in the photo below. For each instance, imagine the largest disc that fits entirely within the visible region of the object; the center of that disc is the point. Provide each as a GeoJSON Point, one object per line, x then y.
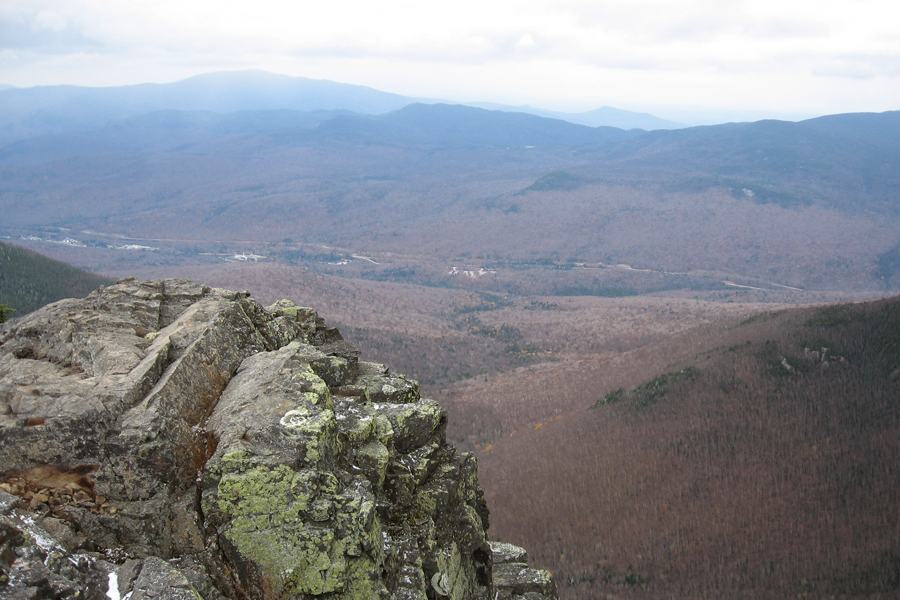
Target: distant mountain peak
{"type": "Point", "coordinates": [605, 116]}
{"type": "Point", "coordinates": [29, 112]}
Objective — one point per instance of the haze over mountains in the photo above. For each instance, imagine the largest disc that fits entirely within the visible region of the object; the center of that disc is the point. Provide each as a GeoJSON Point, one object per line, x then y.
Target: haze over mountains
{"type": "Point", "coordinates": [809, 205]}
{"type": "Point", "coordinates": [51, 109]}
{"type": "Point", "coordinates": [605, 116]}
{"type": "Point", "coordinates": [48, 109]}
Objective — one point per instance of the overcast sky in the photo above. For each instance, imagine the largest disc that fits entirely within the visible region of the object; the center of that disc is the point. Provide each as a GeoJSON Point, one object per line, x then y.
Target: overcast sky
{"type": "Point", "coordinates": [688, 60]}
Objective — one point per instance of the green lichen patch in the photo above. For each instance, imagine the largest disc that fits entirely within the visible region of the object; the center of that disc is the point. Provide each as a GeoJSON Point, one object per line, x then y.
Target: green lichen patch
{"type": "Point", "coordinates": [334, 370]}
{"type": "Point", "coordinates": [316, 388]}
{"type": "Point", "coordinates": [356, 516]}
{"type": "Point", "coordinates": [400, 489]}
{"type": "Point", "coordinates": [355, 424]}
{"type": "Point", "coordinates": [381, 386]}
{"type": "Point", "coordinates": [306, 318]}
{"type": "Point", "coordinates": [468, 528]}
{"type": "Point", "coordinates": [364, 581]}
{"type": "Point", "coordinates": [300, 528]}
{"type": "Point", "coordinates": [384, 430]}
{"type": "Point", "coordinates": [372, 459]}
{"type": "Point", "coordinates": [293, 560]}
{"type": "Point", "coordinates": [469, 490]}
{"type": "Point", "coordinates": [414, 425]}
{"type": "Point", "coordinates": [421, 462]}
{"type": "Point", "coordinates": [260, 490]}
{"type": "Point", "coordinates": [431, 498]}
{"type": "Point", "coordinates": [452, 576]}
{"type": "Point", "coordinates": [315, 432]}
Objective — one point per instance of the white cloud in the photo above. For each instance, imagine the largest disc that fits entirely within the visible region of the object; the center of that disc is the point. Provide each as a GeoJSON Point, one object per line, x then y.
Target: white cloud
{"type": "Point", "coordinates": [49, 20]}
{"type": "Point", "coordinates": [702, 52]}
{"type": "Point", "coordinates": [526, 41]}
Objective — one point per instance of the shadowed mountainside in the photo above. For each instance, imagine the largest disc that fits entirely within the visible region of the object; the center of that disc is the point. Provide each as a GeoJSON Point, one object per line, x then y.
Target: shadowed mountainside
{"type": "Point", "coordinates": [29, 280]}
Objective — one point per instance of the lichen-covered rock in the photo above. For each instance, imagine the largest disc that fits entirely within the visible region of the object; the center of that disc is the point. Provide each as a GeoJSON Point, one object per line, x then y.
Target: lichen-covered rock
{"type": "Point", "coordinates": [515, 580]}
{"type": "Point", "coordinates": [502, 553]}
{"type": "Point", "coordinates": [177, 441]}
{"type": "Point", "coordinates": [159, 580]}
{"type": "Point", "coordinates": [35, 565]}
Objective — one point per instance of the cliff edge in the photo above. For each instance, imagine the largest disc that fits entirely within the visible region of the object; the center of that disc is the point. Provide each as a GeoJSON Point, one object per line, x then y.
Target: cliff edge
{"type": "Point", "coordinates": [163, 439]}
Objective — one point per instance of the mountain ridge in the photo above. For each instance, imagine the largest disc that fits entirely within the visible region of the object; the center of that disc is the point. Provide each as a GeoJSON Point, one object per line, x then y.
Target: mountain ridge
{"type": "Point", "coordinates": [604, 116]}
{"type": "Point", "coordinates": [25, 112]}
{"type": "Point", "coordinates": [442, 182]}
{"type": "Point", "coordinates": [54, 109]}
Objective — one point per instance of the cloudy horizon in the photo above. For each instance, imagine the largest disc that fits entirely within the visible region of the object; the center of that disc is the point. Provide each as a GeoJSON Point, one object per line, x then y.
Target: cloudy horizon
{"type": "Point", "coordinates": [692, 62]}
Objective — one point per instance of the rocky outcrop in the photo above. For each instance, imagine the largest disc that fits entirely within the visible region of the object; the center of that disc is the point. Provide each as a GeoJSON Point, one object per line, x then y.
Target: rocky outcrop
{"type": "Point", "coordinates": [168, 440]}
{"type": "Point", "coordinates": [514, 579]}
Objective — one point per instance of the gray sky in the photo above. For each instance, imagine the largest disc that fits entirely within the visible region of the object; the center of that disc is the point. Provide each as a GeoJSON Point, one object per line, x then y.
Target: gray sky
{"type": "Point", "coordinates": [682, 59]}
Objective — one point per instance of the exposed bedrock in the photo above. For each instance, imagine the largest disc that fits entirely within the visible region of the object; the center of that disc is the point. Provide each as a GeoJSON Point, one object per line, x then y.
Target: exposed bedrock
{"type": "Point", "coordinates": [168, 440]}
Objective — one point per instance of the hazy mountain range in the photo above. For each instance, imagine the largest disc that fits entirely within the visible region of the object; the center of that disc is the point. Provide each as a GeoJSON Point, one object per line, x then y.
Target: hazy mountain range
{"type": "Point", "coordinates": [605, 116]}
{"type": "Point", "coordinates": [811, 204]}
{"type": "Point", "coordinates": [26, 112]}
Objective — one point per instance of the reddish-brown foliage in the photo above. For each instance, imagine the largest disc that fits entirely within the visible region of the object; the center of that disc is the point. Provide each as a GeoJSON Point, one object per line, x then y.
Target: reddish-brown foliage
{"type": "Point", "coordinates": [745, 480]}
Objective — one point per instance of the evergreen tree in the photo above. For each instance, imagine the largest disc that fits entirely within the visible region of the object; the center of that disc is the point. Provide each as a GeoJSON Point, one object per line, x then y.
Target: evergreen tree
{"type": "Point", "coordinates": [4, 311]}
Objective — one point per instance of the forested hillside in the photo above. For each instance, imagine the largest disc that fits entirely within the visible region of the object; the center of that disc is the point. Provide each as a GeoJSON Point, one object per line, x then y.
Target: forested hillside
{"type": "Point", "coordinates": [761, 463]}
{"type": "Point", "coordinates": [29, 280]}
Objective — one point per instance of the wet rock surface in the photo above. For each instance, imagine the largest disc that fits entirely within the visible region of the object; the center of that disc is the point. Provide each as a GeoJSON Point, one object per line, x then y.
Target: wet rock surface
{"type": "Point", "coordinates": [162, 439]}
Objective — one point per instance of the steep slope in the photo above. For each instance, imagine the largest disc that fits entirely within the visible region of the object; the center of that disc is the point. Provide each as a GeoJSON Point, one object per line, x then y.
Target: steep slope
{"type": "Point", "coordinates": [29, 280]}
{"type": "Point", "coordinates": [760, 464]}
